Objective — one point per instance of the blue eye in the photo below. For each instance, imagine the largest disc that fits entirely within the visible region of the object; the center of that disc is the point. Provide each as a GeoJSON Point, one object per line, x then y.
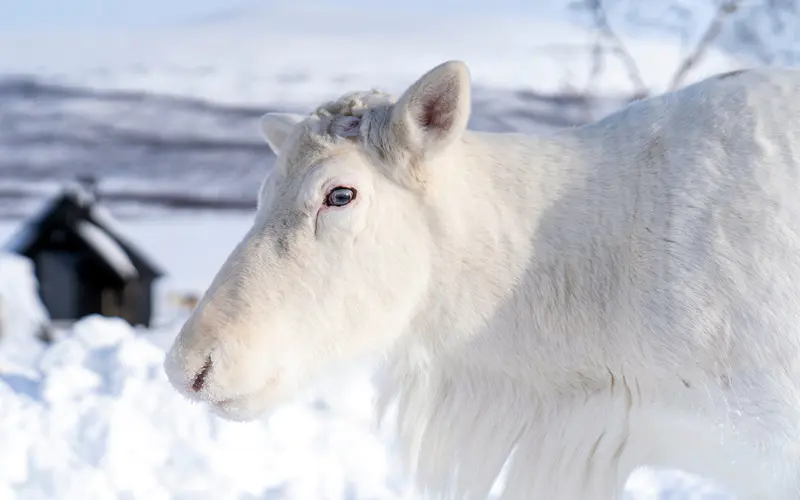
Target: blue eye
{"type": "Point", "coordinates": [340, 196]}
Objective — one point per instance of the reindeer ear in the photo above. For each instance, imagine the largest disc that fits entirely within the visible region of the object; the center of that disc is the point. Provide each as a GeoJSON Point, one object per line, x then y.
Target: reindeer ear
{"type": "Point", "coordinates": [435, 110]}
{"type": "Point", "coordinates": [276, 127]}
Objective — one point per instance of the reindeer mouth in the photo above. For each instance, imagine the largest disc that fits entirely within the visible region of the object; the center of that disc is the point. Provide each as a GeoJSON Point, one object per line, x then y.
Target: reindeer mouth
{"type": "Point", "coordinates": [223, 395]}
{"type": "Point", "coordinates": [249, 406]}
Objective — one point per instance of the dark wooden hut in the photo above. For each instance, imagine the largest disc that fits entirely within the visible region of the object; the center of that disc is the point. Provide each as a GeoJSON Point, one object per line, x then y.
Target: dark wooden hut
{"type": "Point", "coordinates": [83, 262]}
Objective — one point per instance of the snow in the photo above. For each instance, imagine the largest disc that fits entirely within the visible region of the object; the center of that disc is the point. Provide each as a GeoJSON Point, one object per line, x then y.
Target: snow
{"type": "Point", "coordinates": [98, 420]}
{"type": "Point", "coordinates": [25, 235]}
{"type": "Point", "coordinates": [109, 249]}
{"type": "Point", "coordinates": [103, 233]}
{"type": "Point", "coordinates": [92, 416]}
{"type": "Point", "coordinates": [22, 314]}
{"type": "Point", "coordinates": [100, 214]}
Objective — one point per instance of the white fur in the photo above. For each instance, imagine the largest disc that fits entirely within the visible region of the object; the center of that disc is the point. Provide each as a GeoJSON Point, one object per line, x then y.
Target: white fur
{"type": "Point", "coordinates": [568, 307]}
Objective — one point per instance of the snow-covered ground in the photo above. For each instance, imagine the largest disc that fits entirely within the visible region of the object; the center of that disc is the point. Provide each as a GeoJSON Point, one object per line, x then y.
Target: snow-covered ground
{"type": "Point", "coordinates": [93, 417]}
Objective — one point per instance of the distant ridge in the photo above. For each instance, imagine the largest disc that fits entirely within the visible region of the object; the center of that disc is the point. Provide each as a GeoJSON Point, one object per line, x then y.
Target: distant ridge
{"type": "Point", "coordinates": [161, 152]}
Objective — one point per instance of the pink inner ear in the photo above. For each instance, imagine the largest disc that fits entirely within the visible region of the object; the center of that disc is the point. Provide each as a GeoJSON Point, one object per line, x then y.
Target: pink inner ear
{"type": "Point", "coordinates": [438, 109]}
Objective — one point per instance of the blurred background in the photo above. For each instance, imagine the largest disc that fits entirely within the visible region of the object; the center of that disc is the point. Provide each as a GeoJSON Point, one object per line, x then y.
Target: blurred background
{"type": "Point", "coordinates": [130, 159]}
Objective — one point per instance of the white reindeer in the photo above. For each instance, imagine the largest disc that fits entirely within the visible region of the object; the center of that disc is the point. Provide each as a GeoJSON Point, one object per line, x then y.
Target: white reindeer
{"type": "Point", "coordinates": [566, 308]}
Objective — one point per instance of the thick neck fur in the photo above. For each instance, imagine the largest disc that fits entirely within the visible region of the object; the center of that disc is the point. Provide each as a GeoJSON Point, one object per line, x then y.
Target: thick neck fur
{"type": "Point", "coordinates": [524, 237]}
{"type": "Point", "coordinates": [506, 330]}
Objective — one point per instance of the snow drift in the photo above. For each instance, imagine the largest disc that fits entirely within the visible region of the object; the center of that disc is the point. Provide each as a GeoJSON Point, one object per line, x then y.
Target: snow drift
{"type": "Point", "coordinates": [96, 419]}
{"type": "Point", "coordinates": [92, 416]}
{"type": "Point", "coordinates": [23, 317]}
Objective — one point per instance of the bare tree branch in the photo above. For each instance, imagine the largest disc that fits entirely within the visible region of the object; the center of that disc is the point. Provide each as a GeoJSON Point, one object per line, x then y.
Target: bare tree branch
{"type": "Point", "coordinates": [725, 9]}
{"type": "Point", "coordinates": [762, 28]}
{"type": "Point", "coordinates": [616, 46]}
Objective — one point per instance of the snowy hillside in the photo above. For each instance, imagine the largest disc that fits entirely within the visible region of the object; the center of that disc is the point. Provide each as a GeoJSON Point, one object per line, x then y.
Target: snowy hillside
{"type": "Point", "coordinates": [167, 117]}
{"type": "Point", "coordinates": [201, 154]}
{"type": "Point", "coordinates": [294, 55]}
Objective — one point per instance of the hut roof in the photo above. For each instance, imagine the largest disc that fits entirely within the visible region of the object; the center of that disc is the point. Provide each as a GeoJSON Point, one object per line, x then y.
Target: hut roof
{"type": "Point", "coordinates": [77, 210]}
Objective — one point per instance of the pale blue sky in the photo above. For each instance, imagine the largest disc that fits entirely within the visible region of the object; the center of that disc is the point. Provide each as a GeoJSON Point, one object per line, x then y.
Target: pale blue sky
{"type": "Point", "coordinates": [69, 15]}
{"type": "Point", "coordinates": [90, 14]}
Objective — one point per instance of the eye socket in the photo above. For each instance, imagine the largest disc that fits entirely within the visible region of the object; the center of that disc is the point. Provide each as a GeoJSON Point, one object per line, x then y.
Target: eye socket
{"type": "Point", "coordinates": [340, 196]}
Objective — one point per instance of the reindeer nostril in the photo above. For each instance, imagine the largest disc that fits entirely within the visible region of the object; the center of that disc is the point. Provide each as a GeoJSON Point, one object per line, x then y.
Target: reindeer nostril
{"type": "Point", "coordinates": [200, 379]}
